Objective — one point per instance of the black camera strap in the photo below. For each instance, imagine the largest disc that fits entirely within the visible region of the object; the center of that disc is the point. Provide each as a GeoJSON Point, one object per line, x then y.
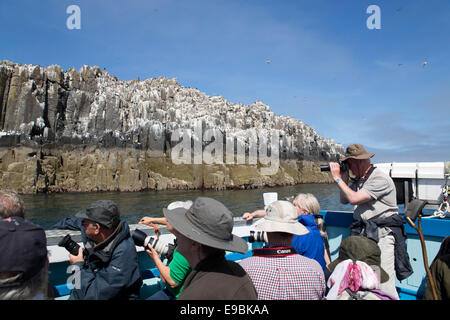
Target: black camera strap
{"type": "Point", "coordinates": [274, 252]}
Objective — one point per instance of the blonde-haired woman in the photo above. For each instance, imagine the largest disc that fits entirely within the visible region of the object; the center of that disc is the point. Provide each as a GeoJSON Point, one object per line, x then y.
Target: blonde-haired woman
{"type": "Point", "coordinates": [311, 245]}
{"type": "Point", "coordinates": [307, 204]}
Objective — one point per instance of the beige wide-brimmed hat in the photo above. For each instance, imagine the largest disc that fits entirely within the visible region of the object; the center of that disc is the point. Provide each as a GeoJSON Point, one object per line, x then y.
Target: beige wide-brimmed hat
{"type": "Point", "coordinates": [357, 151]}
{"type": "Point", "coordinates": [281, 216]}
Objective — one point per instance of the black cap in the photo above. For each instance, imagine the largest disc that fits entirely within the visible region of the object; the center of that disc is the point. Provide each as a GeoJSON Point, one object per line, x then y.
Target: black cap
{"type": "Point", "coordinates": [104, 212]}
{"type": "Point", "coordinates": [23, 249]}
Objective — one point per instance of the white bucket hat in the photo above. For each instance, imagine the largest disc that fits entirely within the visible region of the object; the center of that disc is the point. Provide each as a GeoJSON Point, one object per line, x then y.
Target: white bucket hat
{"type": "Point", "coordinates": [281, 216]}
{"type": "Point", "coordinates": [180, 204]}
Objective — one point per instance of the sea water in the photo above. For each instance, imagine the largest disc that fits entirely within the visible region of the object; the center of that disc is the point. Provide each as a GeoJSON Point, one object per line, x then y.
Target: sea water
{"type": "Point", "coordinates": [47, 209]}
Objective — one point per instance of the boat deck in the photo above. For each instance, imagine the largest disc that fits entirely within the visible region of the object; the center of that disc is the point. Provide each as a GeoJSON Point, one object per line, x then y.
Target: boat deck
{"type": "Point", "coordinates": [337, 224]}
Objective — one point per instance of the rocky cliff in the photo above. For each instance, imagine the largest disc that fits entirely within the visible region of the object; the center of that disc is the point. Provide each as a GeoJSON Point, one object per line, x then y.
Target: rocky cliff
{"type": "Point", "coordinates": [86, 130]}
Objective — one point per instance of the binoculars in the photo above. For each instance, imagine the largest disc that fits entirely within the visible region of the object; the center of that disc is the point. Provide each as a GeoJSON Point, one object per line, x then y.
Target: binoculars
{"type": "Point", "coordinates": [326, 167]}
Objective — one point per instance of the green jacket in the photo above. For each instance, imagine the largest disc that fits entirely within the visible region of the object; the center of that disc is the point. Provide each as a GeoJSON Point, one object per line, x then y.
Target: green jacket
{"type": "Point", "coordinates": [440, 270]}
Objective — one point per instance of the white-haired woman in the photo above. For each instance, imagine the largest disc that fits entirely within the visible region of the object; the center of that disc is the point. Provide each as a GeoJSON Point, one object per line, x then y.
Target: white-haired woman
{"type": "Point", "coordinates": [307, 204]}
{"type": "Point", "coordinates": [313, 245]}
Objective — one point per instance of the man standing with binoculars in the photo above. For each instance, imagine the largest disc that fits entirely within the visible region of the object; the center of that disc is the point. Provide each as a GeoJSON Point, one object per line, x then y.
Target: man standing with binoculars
{"type": "Point", "coordinates": [375, 216]}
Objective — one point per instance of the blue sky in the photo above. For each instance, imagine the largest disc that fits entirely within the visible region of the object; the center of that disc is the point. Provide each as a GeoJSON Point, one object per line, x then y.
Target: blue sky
{"type": "Point", "coordinates": [327, 68]}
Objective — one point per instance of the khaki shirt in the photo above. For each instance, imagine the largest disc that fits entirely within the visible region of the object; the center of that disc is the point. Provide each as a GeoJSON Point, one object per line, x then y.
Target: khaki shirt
{"type": "Point", "coordinates": [384, 198]}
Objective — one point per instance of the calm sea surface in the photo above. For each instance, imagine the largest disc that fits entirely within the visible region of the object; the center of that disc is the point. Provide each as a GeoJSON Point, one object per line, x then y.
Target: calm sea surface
{"type": "Point", "coordinates": [46, 210]}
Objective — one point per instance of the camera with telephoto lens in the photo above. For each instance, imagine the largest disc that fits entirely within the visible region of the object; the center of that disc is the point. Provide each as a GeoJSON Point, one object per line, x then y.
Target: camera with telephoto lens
{"type": "Point", "coordinates": [343, 165]}
{"type": "Point", "coordinates": [257, 236]}
{"type": "Point", "coordinates": [141, 239]}
{"type": "Point", "coordinates": [69, 245]}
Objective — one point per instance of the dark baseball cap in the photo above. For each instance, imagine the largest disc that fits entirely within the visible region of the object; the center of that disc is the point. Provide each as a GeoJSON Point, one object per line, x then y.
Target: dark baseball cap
{"type": "Point", "coordinates": [105, 212]}
{"type": "Point", "coordinates": [361, 249]}
{"type": "Point", "coordinates": [23, 247]}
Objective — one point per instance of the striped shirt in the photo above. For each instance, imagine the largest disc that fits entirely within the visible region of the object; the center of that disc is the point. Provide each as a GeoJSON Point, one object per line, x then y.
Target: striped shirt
{"type": "Point", "coordinates": [292, 277]}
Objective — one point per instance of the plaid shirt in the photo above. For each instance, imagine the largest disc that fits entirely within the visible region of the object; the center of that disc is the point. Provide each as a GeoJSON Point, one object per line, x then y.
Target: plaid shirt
{"type": "Point", "coordinates": [292, 277]}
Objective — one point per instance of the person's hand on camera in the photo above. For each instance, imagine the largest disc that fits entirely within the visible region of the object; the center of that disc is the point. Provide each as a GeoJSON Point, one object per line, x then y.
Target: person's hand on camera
{"type": "Point", "coordinates": [152, 252]}
{"type": "Point", "coordinates": [79, 258]}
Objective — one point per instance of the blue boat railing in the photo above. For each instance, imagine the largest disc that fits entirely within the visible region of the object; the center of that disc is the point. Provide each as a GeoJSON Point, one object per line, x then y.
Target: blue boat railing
{"type": "Point", "coordinates": [150, 276]}
{"type": "Point", "coordinates": [434, 230]}
{"type": "Point", "coordinates": [337, 226]}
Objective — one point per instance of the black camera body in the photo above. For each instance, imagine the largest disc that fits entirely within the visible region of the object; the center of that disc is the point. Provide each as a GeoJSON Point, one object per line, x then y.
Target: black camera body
{"type": "Point", "coordinates": [69, 245]}
{"type": "Point", "coordinates": [343, 165]}
{"type": "Point", "coordinates": [140, 238]}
